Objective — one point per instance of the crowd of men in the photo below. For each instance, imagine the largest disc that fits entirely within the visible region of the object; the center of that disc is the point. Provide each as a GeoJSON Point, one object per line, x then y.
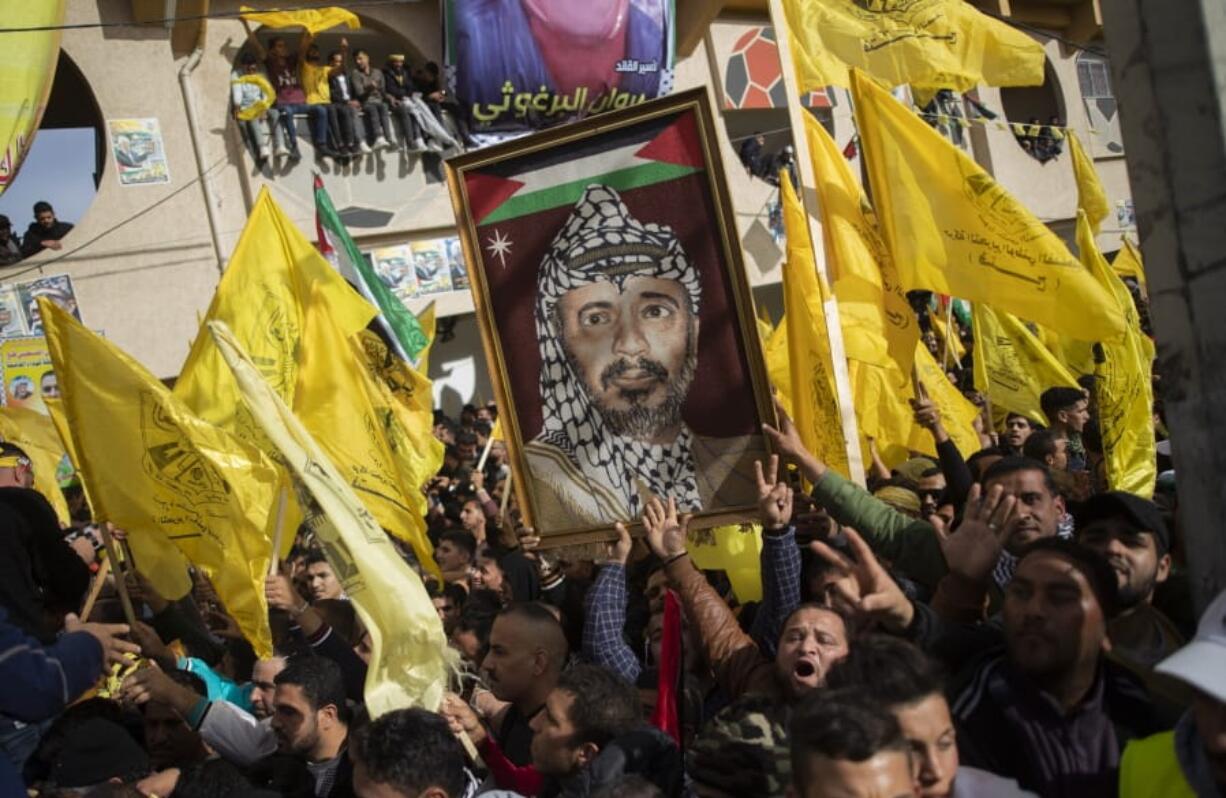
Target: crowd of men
{"type": "Point", "coordinates": [987, 623]}
{"type": "Point", "coordinates": [349, 104]}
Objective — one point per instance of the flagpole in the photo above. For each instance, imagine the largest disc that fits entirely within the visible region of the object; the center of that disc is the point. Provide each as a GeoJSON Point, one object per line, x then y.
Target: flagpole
{"type": "Point", "coordinates": [485, 453]}
{"type": "Point", "coordinates": [275, 561]}
{"type": "Point", "coordinates": [949, 331]}
{"type": "Point", "coordinates": [808, 182]}
{"type": "Point", "coordinates": [124, 599]}
{"type": "Point", "coordinates": [95, 589]}
{"type": "Point", "coordinates": [506, 498]}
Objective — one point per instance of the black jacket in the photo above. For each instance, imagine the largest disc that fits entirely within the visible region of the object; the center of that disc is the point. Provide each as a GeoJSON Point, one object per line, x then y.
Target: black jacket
{"type": "Point", "coordinates": [41, 577]}
{"type": "Point", "coordinates": [288, 775]}
{"type": "Point", "coordinates": [32, 241]}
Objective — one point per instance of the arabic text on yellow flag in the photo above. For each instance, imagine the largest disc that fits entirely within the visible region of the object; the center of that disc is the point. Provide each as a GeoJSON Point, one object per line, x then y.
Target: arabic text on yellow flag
{"type": "Point", "coordinates": [1012, 367]}
{"type": "Point", "coordinates": [813, 398]}
{"type": "Point", "coordinates": [360, 426]}
{"type": "Point", "coordinates": [877, 320]}
{"type": "Point", "coordinates": [1123, 385]}
{"type": "Point", "coordinates": [36, 436]}
{"type": "Point", "coordinates": [27, 70]}
{"type": "Point", "coordinates": [428, 326]}
{"type": "Point", "coordinates": [938, 43]}
{"type": "Point", "coordinates": [1128, 263]}
{"type": "Point", "coordinates": [410, 661]}
{"type": "Point", "coordinates": [1090, 195]}
{"type": "Point", "coordinates": [162, 474]}
{"type": "Point", "coordinates": [313, 19]}
{"type": "Point", "coordinates": [952, 229]}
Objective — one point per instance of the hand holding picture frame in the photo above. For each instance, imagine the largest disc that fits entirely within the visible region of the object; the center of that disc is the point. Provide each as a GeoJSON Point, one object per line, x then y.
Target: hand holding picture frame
{"type": "Point", "coordinates": [617, 319]}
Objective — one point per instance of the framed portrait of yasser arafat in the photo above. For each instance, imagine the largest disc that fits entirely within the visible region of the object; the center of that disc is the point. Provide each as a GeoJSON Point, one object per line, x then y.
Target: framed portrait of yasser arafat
{"type": "Point", "coordinates": [616, 318]}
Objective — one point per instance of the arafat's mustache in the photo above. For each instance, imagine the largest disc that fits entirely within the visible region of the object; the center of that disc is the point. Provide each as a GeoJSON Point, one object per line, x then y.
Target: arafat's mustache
{"type": "Point", "coordinates": [619, 367]}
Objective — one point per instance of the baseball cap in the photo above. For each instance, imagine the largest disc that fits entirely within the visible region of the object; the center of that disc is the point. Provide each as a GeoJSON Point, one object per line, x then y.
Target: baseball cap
{"type": "Point", "coordinates": [1200, 663]}
{"type": "Point", "coordinates": [1144, 514]}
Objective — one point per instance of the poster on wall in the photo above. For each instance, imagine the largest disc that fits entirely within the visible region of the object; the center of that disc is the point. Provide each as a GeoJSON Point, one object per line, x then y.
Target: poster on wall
{"type": "Point", "coordinates": [455, 261]}
{"type": "Point", "coordinates": [521, 65]}
{"type": "Point", "coordinates": [394, 265]}
{"type": "Point", "coordinates": [12, 318]}
{"type": "Point", "coordinates": [28, 376]}
{"type": "Point", "coordinates": [57, 288]}
{"type": "Point", "coordinates": [431, 267]}
{"type": "Point", "coordinates": [138, 151]}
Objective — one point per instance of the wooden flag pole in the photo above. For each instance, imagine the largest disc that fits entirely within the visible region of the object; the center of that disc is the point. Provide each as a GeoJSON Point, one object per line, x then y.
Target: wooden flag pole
{"type": "Point", "coordinates": [485, 453]}
{"type": "Point", "coordinates": [506, 498]}
{"type": "Point", "coordinates": [808, 183]}
{"type": "Point", "coordinates": [95, 589]}
{"type": "Point", "coordinates": [274, 562]}
{"type": "Point", "coordinates": [949, 334]}
{"type": "Point", "coordinates": [120, 585]}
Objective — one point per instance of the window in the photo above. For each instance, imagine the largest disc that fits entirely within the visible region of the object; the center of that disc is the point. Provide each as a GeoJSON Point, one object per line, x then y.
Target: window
{"type": "Point", "coordinates": [1094, 75]}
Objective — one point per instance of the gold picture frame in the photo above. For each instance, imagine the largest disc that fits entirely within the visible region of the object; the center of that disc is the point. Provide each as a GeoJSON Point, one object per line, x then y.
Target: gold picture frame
{"type": "Point", "coordinates": [487, 192]}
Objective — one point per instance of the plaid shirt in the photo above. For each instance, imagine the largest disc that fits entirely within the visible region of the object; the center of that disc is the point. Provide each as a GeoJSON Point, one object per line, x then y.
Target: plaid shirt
{"type": "Point", "coordinates": [780, 566]}
{"type": "Point", "coordinates": [603, 642]}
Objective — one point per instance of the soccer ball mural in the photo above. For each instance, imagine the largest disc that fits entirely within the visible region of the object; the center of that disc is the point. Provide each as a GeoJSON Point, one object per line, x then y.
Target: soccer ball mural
{"type": "Point", "coordinates": [752, 78]}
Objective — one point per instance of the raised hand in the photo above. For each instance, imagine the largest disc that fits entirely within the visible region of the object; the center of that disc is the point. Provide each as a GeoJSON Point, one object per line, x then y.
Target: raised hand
{"type": "Point", "coordinates": [462, 718]}
{"type": "Point", "coordinates": [619, 550]}
{"type": "Point", "coordinates": [973, 547]}
{"type": "Point", "coordinates": [774, 497]}
{"type": "Point", "coordinates": [108, 635]}
{"type": "Point", "coordinates": [786, 441]}
{"type": "Point", "coordinates": [665, 531]}
{"type": "Point", "coordinates": [280, 594]}
{"type": "Point", "coordinates": [881, 600]}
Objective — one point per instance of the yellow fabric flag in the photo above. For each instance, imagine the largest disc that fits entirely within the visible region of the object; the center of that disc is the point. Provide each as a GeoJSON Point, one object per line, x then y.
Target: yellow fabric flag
{"type": "Point", "coordinates": [1012, 367]}
{"type": "Point", "coordinates": [428, 326]}
{"type": "Point", "coordinates": [410, 660]}
{"type": "Point", "coordinates": [1090, 195]}
{"type": "Point", "coordinates": [876, 317]}
{"type": "Point", "coordinates": [360, 426]}
{"type": "Point", "coordinates": [957, 412]}
{"type": "Point", "coordinates": [36, 435]}
{"type": "Point", "coordinates": [178, 485]}
{"type": "Point", "coordinates": [937, 43]}
{"type": "Point", "coordinates": [313, 19]}
{"type": "Point", "coordinates": [261, 297]}
{"type": "Point", "coordinates": [27, 70]}
{"type": "Point", "coordinates": [1076, 356]}
{"type": "Point", "coordinates": [952, 229]}
{"type": "Point", "coordinates": [735, 550]}
{"type": "Point", "coordinates": [950, 340]}
{"type": "Point", "coordinates": [814, 403]}
{"type": "Point", "coordinates": [1128, 263]}
{"type": "Point", "coordinates": [1123, 383]}
{"type": "Point", "coordinates": [777, 367]}
{"type": "Point", "coordinates": [55, 411]}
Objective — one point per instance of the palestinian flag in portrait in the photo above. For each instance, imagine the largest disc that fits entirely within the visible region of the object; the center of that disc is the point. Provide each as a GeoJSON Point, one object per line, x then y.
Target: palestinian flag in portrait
{"type": "Point", "coordinates": [400, 327]}
{"type": "Point", "coordinates": [658, 169]}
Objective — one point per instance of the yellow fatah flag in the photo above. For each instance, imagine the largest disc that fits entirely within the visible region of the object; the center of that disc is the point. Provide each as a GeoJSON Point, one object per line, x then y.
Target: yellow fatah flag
{"type": "Point", "coordinates": [313, 19]}
{"type": "Point", "coordinates": [428, 327]}
{"type": "Point", "coordinates": [27, 70]}
{"type": "Point", "coordinates": [957, 412]}
{"type": "Point", "coordinates": [1076, 356]}
{"type": "Point", "coordinates": [931, 43]}
{"type": "Point", "coordinates": [777, 368]}
{"type": "Point", "coordinates": [1090, 195]}
{"type": "Point", "coordinates": [951, 340]}
{"type": "Point", "coordinates": [1012, 367]}
{"type": "Point", "coordinates": [1123, 385]}
{"type": "Point", "coordinates": [1128, 263]}
{"type": "Point", "coordinates": [180, 486]}
{"type": "Point", "coordinates": [952, 229]}
{"type": "Point", "coordinates": [410, 660]}
{"type": "Point", "coordinates": [877, 319]}
{"type": "Point", "coordinates": [353, 416]}
{"type": "Point", "coordinates": [262, 297]}
{"type": "Point", "coordinates": [737, 551]}
{"type": "Point", "coordinates": [36, 436]}
{"type": "Point", "coordinates": [814, 403]}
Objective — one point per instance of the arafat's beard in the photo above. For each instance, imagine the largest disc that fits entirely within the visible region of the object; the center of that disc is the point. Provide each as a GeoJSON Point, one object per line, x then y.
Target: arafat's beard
{"type": "Point", "coordinates": [640, 421]}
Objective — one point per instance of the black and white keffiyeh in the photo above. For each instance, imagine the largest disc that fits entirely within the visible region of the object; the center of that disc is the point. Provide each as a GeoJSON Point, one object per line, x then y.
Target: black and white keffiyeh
{"type": "Point", "coordinates": [602, 241]}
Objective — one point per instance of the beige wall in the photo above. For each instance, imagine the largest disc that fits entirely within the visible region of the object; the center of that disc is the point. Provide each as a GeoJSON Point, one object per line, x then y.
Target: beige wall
{"type": "Point", "coordinates": [151, 270]}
